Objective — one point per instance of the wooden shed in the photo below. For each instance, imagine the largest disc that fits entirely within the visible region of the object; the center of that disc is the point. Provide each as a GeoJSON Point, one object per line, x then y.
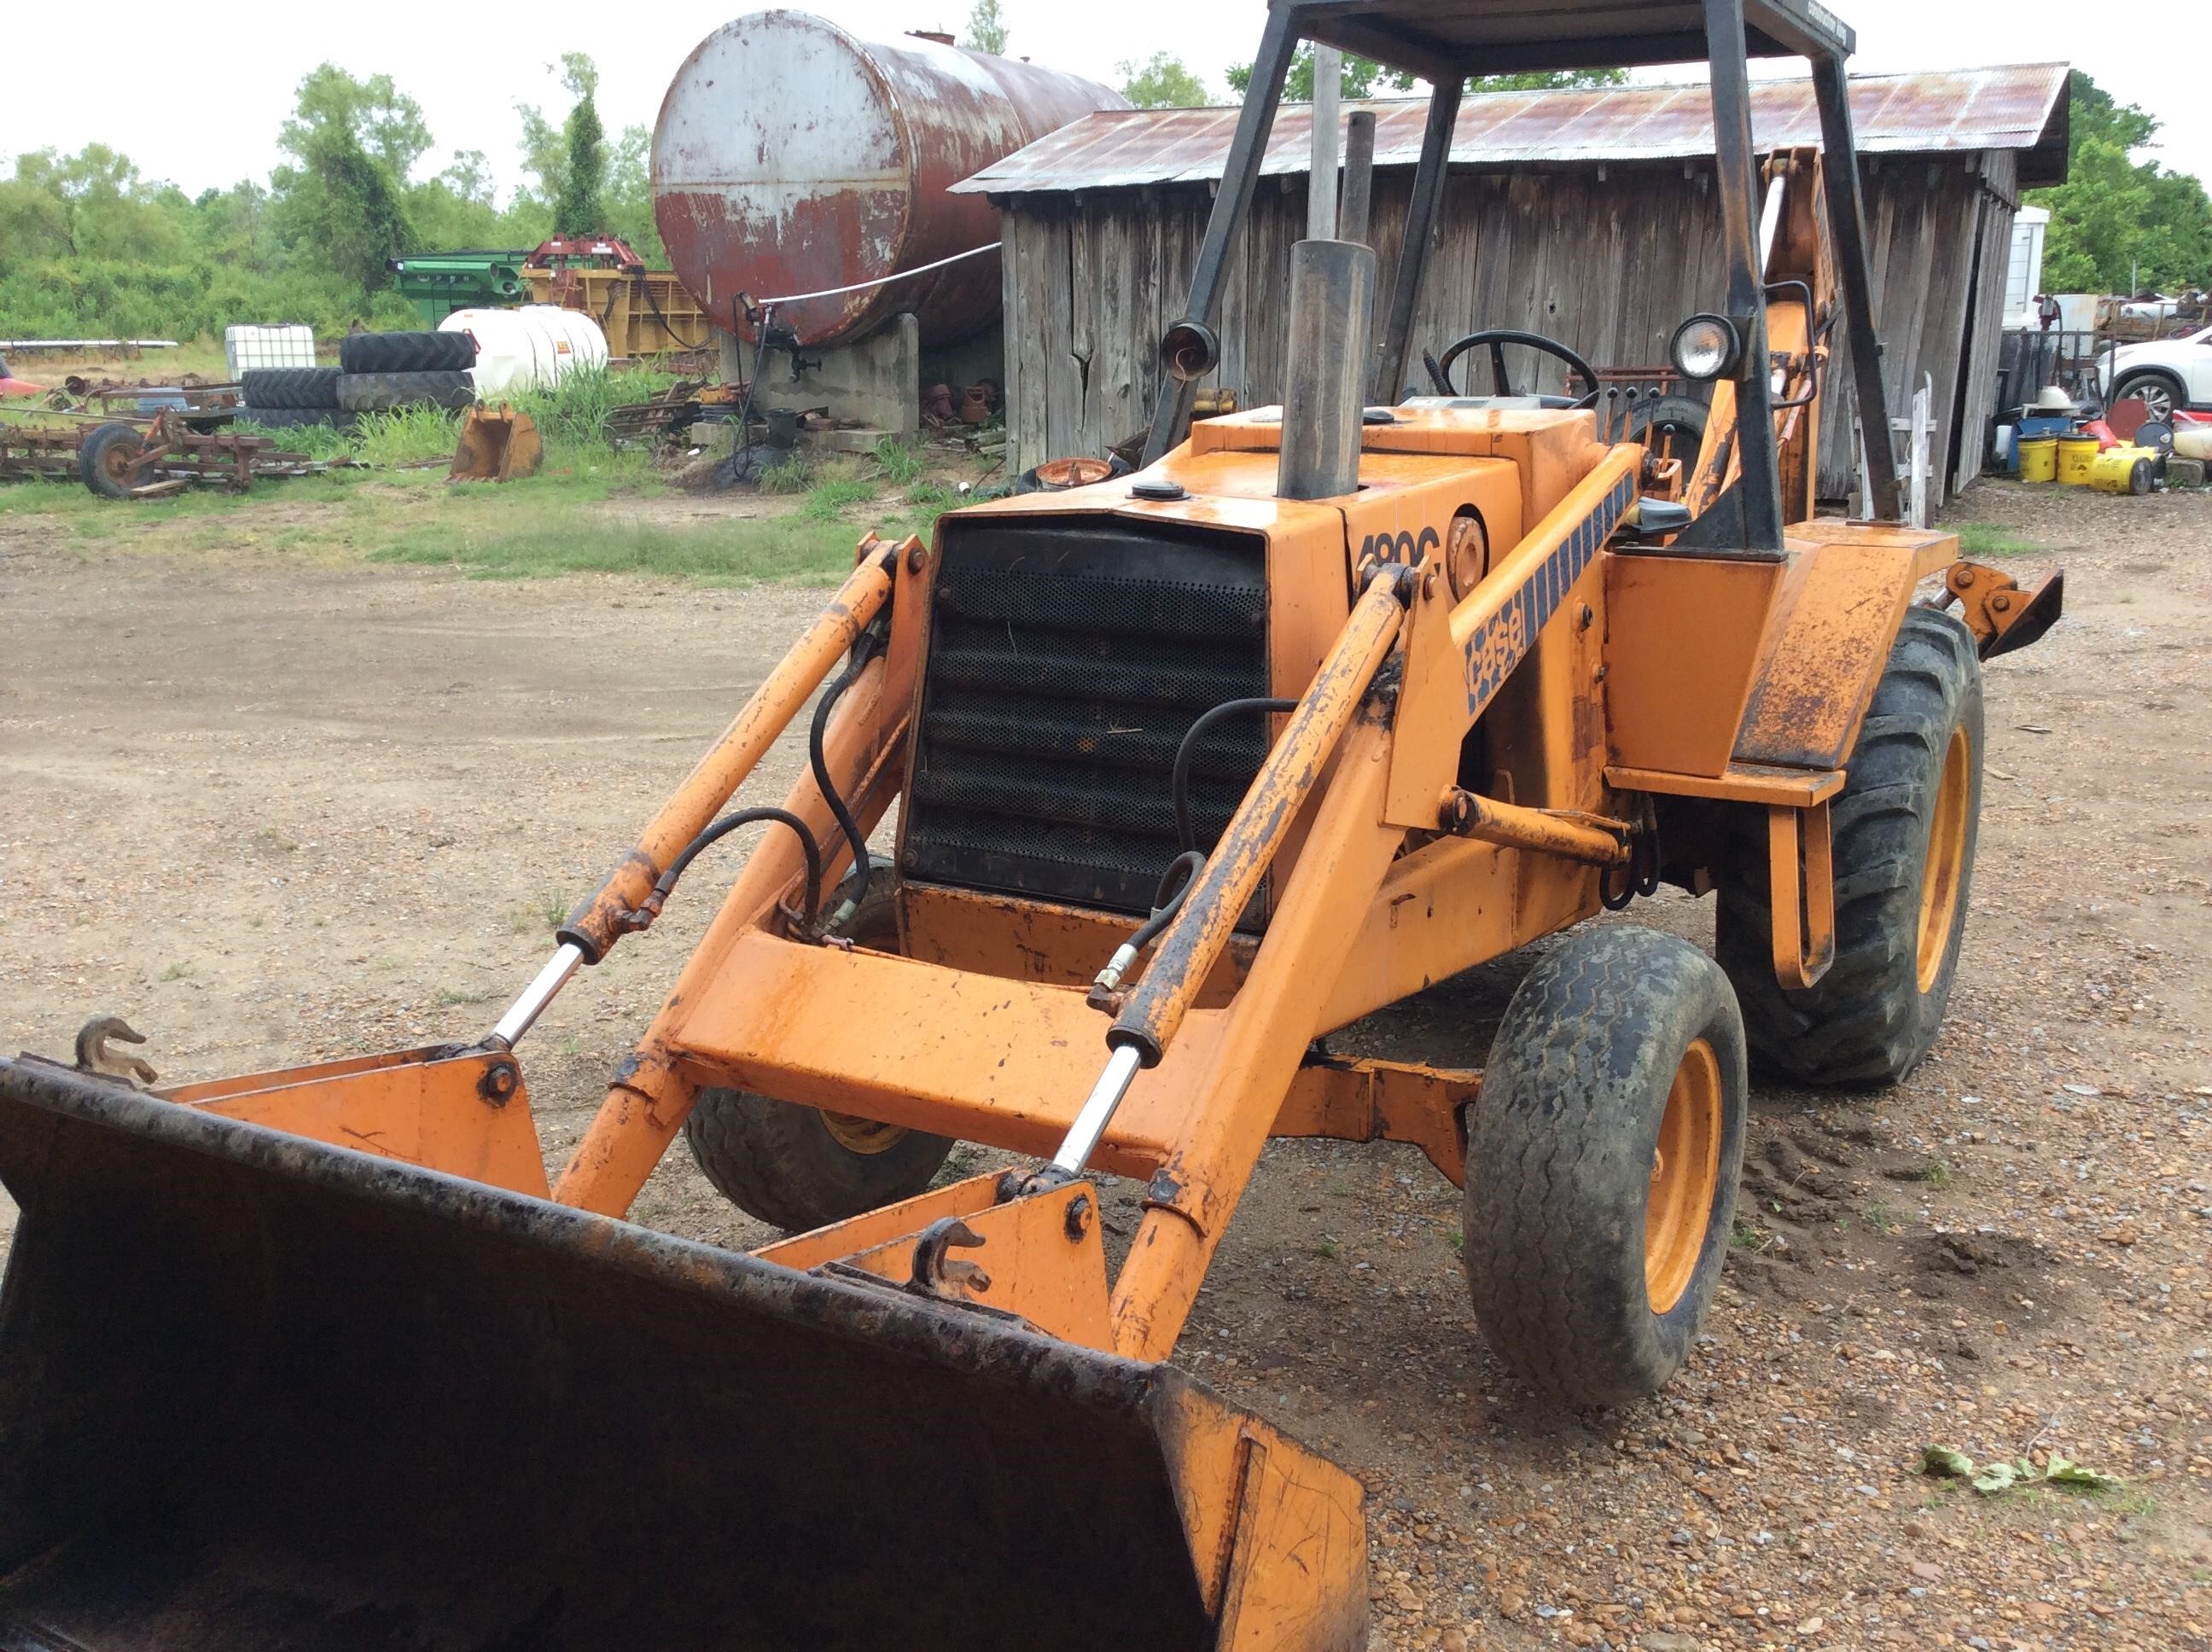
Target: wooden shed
{"type": "Point", "coordinates": [1588, 217]}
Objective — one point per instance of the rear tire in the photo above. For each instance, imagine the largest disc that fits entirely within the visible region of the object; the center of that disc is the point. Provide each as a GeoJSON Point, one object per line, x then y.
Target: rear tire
{"type": "Point", "coordinates": [381, 392]}
{"type": "Point", "coordinates": [798, 1168]}
{"type": "Point", "coordinates": [1602, 1164]}
{"type": "Point", "coordinates": [267, 389]}
{"type": "Point", "coordinates": [1905, 830]}
{"type": "Point", "coordinates": [104, 460]}
{"type": "Point", "coordinates": [1672, 427]}
{"type": "Point", "coordinates": [407, 352]}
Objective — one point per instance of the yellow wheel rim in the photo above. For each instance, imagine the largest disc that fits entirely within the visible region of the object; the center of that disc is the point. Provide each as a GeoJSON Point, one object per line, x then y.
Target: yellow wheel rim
{"type": "Point", "coordinates": [864, 1136]}
{"type": "Point", "coordinates": [1686, 1173]}
{"type": "Point", "coordinates": [1947, 856]}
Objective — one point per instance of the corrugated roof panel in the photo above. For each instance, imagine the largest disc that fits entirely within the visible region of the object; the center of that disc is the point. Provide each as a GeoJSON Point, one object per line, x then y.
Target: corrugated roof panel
{"type": "Point", "coordinates": [1949, 112]}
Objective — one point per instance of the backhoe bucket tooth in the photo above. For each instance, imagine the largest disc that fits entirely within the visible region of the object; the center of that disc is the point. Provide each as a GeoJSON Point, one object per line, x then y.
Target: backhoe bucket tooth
{"type": "Point", "coordinates": [257, 1392]}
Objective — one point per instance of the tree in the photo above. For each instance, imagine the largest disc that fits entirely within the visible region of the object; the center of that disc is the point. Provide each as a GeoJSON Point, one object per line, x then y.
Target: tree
{"type": "Point", "coordinates": [1363, 79]}
{"type": "Point", "coordinates": [987, 29]}
{"type": "Point", "coordinates": [381, 119]}
{"type": "Point", "coordinates": [2118, 223]}
{"type": "Point", "coordinates": [1162, 82]}
{"type": "Point", "coordinates": [579, 208]}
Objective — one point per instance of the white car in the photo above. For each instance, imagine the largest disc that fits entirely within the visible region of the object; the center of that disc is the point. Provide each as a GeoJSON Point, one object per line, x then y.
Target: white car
{"type": "Point", "coordinates": [2166, 376]}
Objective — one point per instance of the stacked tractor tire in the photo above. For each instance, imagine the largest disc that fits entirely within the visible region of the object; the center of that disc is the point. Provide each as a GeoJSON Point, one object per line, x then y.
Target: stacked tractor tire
{"type": "Point", "coordinates": [377, 373]}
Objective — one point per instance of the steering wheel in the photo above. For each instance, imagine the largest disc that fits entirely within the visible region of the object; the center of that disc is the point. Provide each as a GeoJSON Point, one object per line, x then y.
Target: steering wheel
{"type": "Point", "coordinates": [1502, 381]}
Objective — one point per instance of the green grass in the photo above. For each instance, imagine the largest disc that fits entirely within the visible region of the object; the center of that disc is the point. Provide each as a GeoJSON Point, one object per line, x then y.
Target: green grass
{"type": "Point", "coordinates": [1984, 539]}
{"type": "Point", "coordinates": [523, 544]}
{"type": "Point", "coordinates": [827, 499]}
{"type": "Point", "coordinates": [899, 462]}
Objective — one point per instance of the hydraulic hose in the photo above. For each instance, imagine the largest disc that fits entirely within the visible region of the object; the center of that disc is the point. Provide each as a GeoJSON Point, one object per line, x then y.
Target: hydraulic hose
{"type": "Point", "coordinates": [863, 651]}
{"type": "Point", "coordinates": [722, 829]}
{"type": "Point", "coordinates": [1184, 839]}
{"type": "Point", "coordinates": [1176, 886]}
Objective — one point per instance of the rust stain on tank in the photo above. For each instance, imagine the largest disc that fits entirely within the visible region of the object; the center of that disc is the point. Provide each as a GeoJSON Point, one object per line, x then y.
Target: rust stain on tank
{"type": "Point", "coordinates": [791, 156]}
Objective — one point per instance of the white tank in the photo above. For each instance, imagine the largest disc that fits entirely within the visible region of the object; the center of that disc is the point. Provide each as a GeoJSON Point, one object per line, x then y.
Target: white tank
{"type": "Point", "coordinates": [532, 348]}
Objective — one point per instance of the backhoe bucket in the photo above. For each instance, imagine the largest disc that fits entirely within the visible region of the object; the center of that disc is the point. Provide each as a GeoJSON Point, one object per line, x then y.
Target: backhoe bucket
{"type": "Point", "coordinates": [497, 446]}
{"type": "Point", "coordinates": [258, 1393]}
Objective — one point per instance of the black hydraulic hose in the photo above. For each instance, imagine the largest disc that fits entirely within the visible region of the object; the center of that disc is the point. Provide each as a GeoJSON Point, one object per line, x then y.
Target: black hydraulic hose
{"type": "Point", "coordinates": [722, 829]}
{"type": "Point", "coordinates": [1167, 903]}
{"type": "Point", "coordinates": [815, 755]}
{"type": "Point", "coordinates": [1184, 839]}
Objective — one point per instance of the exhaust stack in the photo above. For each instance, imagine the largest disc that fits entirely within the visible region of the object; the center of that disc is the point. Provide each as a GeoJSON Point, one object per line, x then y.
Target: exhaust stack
{"type": "Point", "coordinates": [1332, 296]}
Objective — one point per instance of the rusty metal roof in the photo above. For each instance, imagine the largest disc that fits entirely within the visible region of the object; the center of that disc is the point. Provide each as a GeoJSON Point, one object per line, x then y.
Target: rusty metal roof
{"type": "Point", "coordinates": [2020, 107]}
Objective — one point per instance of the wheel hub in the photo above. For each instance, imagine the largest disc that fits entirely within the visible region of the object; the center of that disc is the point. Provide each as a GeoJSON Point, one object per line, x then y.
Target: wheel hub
{"type": "Point", "coordinates": [1947, 855]}
{"type": "Point", "coordinates": [1685, 1178]}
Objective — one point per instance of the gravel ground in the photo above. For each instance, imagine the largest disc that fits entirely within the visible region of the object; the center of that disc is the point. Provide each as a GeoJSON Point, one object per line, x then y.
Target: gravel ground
{"type": "Point", "coordinates": [270, 815]}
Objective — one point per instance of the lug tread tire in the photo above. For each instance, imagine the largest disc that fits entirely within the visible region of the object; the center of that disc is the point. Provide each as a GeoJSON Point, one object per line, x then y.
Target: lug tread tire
{"type": "Point", "coordinates": [1561, 1147]}
{"type": "Point", "coordinates": [269, 389]}
{"type": "Point", "coordinates": [1866, 1021]}
{"type": "Point", "coordinates": [381, 392]}
{"type": "Point", "coordinates": [407, 352]}
{"type": "Point", "coordinates": [2133, 382]}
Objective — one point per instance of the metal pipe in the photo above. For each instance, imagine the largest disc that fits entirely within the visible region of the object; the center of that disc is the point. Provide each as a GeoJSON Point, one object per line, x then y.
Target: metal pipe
{"type": "Point", "coordinates": [1759, 456]}
{"type": "Point", "coordinates": [1420, 240]}
{"type": "Point", "coordinates": [882, 280]}
{"type": "Point", "coordinates": [523, 1013]}
{"type": "Point", "coordinates": [1240, 176]}
{"type": "Point", "coordinates": [1320, 179]}
{"type": "Point", "coordinates": [1332, 296]}
{"type": "Point", "coordinates": [1847, 233]}
{"type": "Point", "coordinates": [1544, 831]}
{"type": "Point", "coordinates": [1187, 952]}
{"type": "Point", "coordinates": [1097, 1110]}
{"type": "Point", "coordinates": [1358, 206]}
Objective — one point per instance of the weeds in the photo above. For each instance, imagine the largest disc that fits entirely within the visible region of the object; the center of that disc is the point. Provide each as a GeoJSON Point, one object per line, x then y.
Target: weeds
{"type": "Point", "coordinates": [1746, 1236]}
{"type": "Point", "coordinates": [405, 436]}
{"type": "Point", "coordinates": [1326, 1249]}
{"type": "Point", "coordinates": [448, 996]}
{"type": "Point", "coordinates": [177, 972]}
{"type": "Point", "coordinates": [789, 478]}
{"type": "Point", "coordinates": [829, 497]}
{"type": "Point", "coordinates": [900, 463]}
{"type": "Point", "coordinates": [525, 544]}
{"type": "Point", "coordinates": [546, 914]}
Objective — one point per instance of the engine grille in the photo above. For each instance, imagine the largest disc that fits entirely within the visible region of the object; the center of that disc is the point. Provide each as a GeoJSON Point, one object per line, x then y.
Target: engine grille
{"type": "Point", "coordinates": [1066, 661]}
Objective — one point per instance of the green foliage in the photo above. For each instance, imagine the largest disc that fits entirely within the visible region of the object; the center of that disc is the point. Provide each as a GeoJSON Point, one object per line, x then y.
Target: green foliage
{"type": "Point", "coordinates": [1364, 79]}
{"type": "Point", "coordinates": [580, 207]}
{"type": "Point", "coordinates": [987, 29]}
{"type": "Point", "coordinates": [2118, 224]}
{"type": "Point", "coordinates": [827, 499]}
{"type": "Point", "coordinates": [1162, 81]}
{"type": "Point", "coordinates": [899, 462]}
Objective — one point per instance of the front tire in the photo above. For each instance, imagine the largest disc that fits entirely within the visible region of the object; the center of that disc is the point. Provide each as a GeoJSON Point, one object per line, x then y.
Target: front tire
{"type": "Point", "coordinates": [1905, 830]}
{"type": "Point", "coordinates": [1602, 1159]}
{"type": "Point", "coordinates": [798, 1168]}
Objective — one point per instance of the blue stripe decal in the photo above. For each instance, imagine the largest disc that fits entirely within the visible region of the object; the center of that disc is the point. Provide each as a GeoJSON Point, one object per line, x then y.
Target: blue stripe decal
{"type": "Point", "coordinates": [1494, 652]}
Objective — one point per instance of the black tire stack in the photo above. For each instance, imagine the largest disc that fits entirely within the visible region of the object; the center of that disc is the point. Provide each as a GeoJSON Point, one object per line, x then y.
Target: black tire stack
{"type": "Point", "coordinates": [377, 373]}
{"type": "Point", "coordinates": [383, 371]}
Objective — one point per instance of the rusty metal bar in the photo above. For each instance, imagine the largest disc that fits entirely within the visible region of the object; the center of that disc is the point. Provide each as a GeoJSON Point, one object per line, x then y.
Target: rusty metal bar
{"type": "Point", "coordinates": [1758, 457]}
{"type": "Point", "coordinates": [1847, 233]}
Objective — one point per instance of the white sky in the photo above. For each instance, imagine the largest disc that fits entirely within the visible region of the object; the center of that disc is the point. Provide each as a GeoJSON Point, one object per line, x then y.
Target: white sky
{"type": "Point", "coordinates": [201, 106]}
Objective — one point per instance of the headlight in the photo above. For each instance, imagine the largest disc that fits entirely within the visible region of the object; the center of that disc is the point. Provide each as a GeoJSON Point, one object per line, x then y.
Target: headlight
{"type": "Point", "coordinates": [1706, 347]}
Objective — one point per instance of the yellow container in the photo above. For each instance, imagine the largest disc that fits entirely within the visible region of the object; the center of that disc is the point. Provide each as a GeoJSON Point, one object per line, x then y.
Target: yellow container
{"type": "Point", "coordinates": [2039, 459]}
{"type": "Point", "coordinates": [2123, 469]}
{"type": "Point", "coordinates": [2077, 460]}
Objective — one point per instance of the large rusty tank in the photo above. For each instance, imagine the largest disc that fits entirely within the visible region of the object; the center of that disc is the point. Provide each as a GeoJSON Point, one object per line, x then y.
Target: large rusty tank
{"type": "Point", "coordinates": [791, 156]}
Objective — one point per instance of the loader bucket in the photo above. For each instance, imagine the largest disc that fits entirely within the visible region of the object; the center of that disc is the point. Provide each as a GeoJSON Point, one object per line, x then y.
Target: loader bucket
{"type": "Point", "coordinates": [497, 446]}
{"type": "Point", "coordinates": [257, 1392]}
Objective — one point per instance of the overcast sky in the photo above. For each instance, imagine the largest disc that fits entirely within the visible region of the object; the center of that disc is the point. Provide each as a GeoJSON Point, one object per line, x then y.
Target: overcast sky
{"type": "Point", "coordinates": [201, 105]}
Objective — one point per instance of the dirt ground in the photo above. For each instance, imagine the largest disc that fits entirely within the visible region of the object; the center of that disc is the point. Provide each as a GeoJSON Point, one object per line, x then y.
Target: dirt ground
{"type": "Point", "coordinates": [270, 814]}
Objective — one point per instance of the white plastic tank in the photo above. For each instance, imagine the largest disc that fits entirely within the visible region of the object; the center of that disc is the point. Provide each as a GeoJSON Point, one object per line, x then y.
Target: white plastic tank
{"type": "Point", "coordinates": [286, 345]}
{"type": "Point", "coordinates": [532, 348]}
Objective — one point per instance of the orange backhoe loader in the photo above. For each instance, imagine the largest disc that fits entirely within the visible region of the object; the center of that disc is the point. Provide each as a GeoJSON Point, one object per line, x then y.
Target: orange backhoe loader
{"type": "Point", "coordinates": [1190, 768]}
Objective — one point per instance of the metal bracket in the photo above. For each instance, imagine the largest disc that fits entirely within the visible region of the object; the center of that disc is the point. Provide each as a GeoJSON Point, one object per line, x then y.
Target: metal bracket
{"type": "Point", "coordinates": [1801, 885]}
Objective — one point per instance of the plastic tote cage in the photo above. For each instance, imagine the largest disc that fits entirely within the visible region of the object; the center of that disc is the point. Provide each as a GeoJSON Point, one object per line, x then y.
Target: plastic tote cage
{"type": "Point", "coordinates": [286, 345]}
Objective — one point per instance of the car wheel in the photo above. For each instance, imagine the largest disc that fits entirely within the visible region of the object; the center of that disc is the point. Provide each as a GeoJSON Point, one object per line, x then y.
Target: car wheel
{"type": "Point", "coordinates": [2162, 396]}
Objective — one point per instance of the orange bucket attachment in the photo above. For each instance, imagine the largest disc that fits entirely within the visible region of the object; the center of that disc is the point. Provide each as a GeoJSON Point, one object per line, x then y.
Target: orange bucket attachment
{"type": "Point", "coordinates": [263, 1391]}
{"type": "Point", "coordinates": [497, 446]}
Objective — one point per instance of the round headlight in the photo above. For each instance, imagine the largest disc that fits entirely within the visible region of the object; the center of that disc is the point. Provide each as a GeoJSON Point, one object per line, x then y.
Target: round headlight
{"type": "Point", "coordinates": [1706, 347]}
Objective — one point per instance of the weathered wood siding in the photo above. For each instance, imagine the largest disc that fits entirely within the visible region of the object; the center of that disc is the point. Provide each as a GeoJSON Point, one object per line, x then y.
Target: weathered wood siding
{"type": "Point", "coordinates": [1608, 260]}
